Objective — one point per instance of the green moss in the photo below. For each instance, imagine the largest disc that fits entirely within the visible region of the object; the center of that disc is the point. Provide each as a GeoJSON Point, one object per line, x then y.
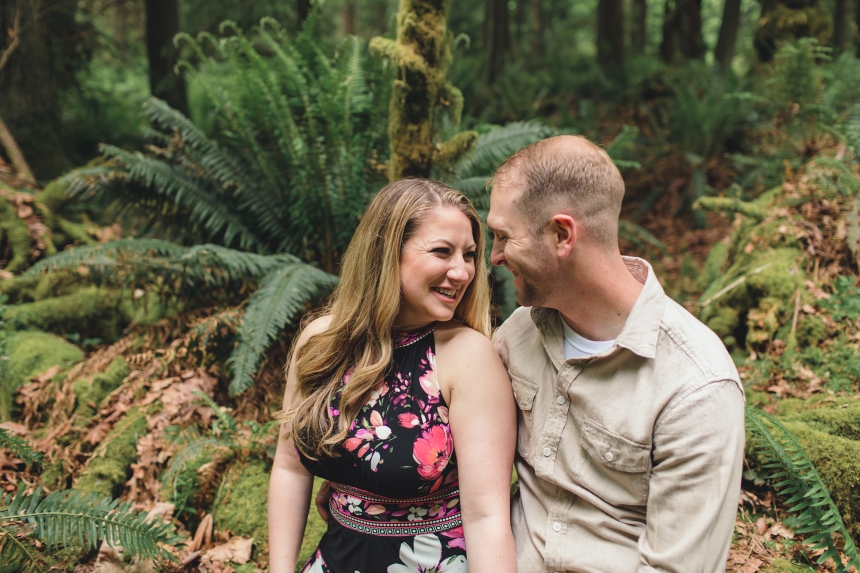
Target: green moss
{"type": "Point", "coordinates": [724, 322]}
{"type": "Point", "coordinates": [31, 353]}
{"type": "Point", "coordinates": [421, 56]}
{"type": "Point", "coordinates": [91, 311]}
{"type": "Point", "coordinates": [837, 459]}
{"type": "Point", "coordinates": [714, 264]}
{"type": "Point", "coordinates": [110, 467]}
{"type": "Point", "coordinates": [17, 236]}
{"type": "Point", "coordinates": [785, 566]}
{"type": "Point", "coordinates": [837, 416]}
{"type": "Point", "coordinates": [89, 392]}
{"type": "Point", "coordinates": [244, 512]}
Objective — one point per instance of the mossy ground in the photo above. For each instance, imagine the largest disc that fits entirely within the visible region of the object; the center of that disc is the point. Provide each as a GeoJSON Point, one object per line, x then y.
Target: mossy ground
{"type": "Point", "coordinates": [88, 312]}
{"type": "Point", "coordinates": [89, 392]}
{"type": "Point", "coordinates": [110, 467]}
{"type": "Point", "coordinates": [31, 353]}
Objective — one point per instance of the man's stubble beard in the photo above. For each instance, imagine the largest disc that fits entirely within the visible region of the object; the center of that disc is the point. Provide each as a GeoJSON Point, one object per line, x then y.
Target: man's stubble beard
{"type": "Point", "coordinates": [537, 278]}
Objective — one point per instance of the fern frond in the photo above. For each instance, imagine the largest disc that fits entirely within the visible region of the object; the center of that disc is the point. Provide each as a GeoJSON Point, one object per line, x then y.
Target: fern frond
{"type": "Point", "coordinates": [793, 475]}
{"type": "Point", "coordinates": [639, 235]}
{"type": "Point", "coordinates": [493, 147]}
{"type": "Point", "coordinates": [281, 295]}
{"type": "Point", "coordinates": [71, 518]}
{"type": "Point", "coordinates": [19, 447]}
{"type": "Point", "coordinates": [226, 419]}
{"type": "Point", "coordinates": [188, 453]}
{"type": "Point", "coordinates": [105, 254]}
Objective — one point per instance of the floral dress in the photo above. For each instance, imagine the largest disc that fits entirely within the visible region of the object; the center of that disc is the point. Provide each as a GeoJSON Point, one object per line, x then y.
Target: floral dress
{"type": "Point", "coordinates": [395, 501]}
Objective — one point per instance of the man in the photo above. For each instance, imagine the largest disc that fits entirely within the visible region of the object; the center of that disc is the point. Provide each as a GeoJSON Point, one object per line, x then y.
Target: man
{"type": "Point", "coordinates": [631, 422]}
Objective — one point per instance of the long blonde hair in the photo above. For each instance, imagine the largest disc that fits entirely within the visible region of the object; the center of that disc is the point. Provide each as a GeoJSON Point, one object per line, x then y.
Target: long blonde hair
{"type": "Point", "coordinates": [363, 309]}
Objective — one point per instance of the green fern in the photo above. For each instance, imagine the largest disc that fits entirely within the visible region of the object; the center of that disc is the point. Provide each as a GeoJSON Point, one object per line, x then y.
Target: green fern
{"type": "Point", "coordinates": [69, 518]}
{"type": "Point", "coordinates": [282, 294]}
{"type": "Point", "coordinates": [792, 474]}
{"type": "Point", "coordinates": [19, 447]}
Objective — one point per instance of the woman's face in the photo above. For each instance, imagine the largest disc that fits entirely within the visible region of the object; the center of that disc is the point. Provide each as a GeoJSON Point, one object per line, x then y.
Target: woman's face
{"type": "Point", "coordinates": [436, 266]}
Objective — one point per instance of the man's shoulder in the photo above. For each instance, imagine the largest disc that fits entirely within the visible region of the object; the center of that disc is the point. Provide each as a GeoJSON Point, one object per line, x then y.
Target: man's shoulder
{"type": "Point", "coordinates": [686, 340]}
{"type": "Point", "coordinates": [517, 324]}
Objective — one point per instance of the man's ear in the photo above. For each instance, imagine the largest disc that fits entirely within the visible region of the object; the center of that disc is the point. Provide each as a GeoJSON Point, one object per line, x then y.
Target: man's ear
{"type": "Point", "coordinates": [564, 230]}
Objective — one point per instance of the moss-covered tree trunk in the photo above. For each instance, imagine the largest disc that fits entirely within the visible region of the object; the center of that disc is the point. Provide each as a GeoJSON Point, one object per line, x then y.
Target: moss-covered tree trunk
{"type": "Point", "coordinates": [421, 55]}
{"type": "Point", "coordinates": [786, 20]}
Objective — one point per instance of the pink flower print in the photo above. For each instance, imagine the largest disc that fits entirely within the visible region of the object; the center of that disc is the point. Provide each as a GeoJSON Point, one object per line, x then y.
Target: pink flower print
{"type": "Point", "coordinates": [380, 391]}
{"type": "Point", "coordinates": [408, 420]}
{"type": "Point", "coordinates": [348, 375]}
{"type": "Point", "coordinates": [379, 428]}
{"type": "Point", "coordinates": [432, 451]}
{"type": "Point", "coordinates": [456, 537]}
{"type": "Point", "coordinates": [375, 509]}
{"type": "Point", "coordinates": [430, 381]}
{"type": "Point", "coordinates": [443, 414]}
{"type": "Point", "coordinates": [363, 450]}
{"type": "Point", "coordinates": [363, 434]}
{"type": "Point", "coordinates": [353, 443]}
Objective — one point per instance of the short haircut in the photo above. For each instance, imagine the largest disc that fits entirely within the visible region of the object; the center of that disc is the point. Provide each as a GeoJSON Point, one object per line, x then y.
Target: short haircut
{"type": "Point", "coordinates": [567, 173]}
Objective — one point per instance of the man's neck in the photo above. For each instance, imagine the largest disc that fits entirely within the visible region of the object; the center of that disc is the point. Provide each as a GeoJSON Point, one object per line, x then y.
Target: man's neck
{"type": "Point", "coordinates": [599, 296]}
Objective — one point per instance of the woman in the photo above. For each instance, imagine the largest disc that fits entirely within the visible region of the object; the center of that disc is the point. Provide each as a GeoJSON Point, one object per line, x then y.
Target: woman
{"type": "Point", "coordinates": [380, 388]}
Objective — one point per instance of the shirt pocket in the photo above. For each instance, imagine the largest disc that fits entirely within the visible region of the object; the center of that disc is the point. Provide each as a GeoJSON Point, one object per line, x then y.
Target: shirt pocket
{"type": "Point", "coordinates": [614, 468]}
{"type": "Point", "coordinates": [525, 393]}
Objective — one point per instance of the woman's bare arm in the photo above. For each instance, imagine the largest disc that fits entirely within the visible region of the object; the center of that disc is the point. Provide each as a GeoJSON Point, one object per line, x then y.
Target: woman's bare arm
{"type": "Point", "coordinates": [483, 423]}
{"type": "Point", "coordinates": [289, 485]}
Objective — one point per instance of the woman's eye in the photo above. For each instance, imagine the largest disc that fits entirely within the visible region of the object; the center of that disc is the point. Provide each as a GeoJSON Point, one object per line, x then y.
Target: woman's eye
{"type": "Point", "coordinates": [471, 255]}
{"type": "Point", "coordinates": [442, 250]}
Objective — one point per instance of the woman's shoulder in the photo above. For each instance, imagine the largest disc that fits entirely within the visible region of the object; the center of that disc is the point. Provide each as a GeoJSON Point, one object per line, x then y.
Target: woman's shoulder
{"type": "Point", "coordinates": [462, 339]}
{"type": "Point", "coordinates": [316, 326]}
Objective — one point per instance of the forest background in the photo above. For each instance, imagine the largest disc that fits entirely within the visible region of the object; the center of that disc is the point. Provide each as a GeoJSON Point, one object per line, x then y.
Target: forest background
{"type": "Point", "coordinates": [157, 253]}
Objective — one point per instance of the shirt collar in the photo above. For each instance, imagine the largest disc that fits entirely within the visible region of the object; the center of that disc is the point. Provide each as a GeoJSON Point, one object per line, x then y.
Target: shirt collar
{"type": "Point", "coordinates": [642, 327]}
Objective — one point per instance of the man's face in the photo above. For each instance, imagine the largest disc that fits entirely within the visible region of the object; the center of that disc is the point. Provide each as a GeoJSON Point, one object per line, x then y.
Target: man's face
{"type": "Point", "coordinates": [515, 246]}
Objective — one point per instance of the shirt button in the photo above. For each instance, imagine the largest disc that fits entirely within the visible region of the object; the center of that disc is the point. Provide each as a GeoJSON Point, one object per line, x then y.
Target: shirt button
{"type": "Point", "coordinates": [556, 527]}
{"type": "Point", "coordinates": [559, 400]}
{"type": "Point", "coordinates": [609, 457]}
{"type": "Point", "coordinates": [547, 452]}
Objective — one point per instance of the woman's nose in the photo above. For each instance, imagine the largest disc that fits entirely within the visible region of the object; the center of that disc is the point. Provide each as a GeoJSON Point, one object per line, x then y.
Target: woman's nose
{"type": "Point", "coordinates": [458, 273]}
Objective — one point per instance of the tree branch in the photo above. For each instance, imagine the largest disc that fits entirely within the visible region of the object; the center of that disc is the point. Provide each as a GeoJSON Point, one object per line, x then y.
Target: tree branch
{"type": "Point", "coordinates": [8, 142]}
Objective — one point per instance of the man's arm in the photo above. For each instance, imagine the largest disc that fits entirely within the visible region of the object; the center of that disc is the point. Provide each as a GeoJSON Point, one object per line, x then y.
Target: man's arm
{"type": "Point", "coordinates": [695, 482]}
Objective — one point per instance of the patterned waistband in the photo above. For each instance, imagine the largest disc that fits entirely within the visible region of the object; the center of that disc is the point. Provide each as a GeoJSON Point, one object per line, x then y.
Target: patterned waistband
{"type": "Point", "coordinates": [376, 515]}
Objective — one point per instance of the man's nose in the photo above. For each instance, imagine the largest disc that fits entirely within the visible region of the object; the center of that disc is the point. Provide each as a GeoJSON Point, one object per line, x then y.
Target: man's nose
{"type": "Point", "coordinates": [497, 255]}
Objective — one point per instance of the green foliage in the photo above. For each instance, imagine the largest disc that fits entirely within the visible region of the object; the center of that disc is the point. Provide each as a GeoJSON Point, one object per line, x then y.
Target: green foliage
{"type": "Point", "coordinates": [27, 354]}
{"type": "Point", "coordinates": [792, 474]}
{"type": "Point", "coordinates": [110, 465]}
{"type": "Point", "coordinates": [90, 392]}
{"type": "Point", "coordinates": [845, 300]}
{"type": "Point", "coordinates": [68, 518]}
{"type": "Point", "coordinates": [286, 284]}
{"type": "Point", "coordinates": [19, 447]}
{"type": "Point", "coordinates": [297, 140]}
{"type": "Point", "coordinates": [91, 311]}
{"type": "Point", "coordinates": [241, 501]}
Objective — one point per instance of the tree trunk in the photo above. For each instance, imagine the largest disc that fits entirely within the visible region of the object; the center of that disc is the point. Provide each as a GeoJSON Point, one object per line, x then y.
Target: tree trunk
{"type": "Point", "coordinates": [303, 9]}
{"type": "Point", "coordinates": [420, 57]}
{"type": "Point", "coordinates": [610, 32]}
{"type": "Point", "coordinates": [537, 27]}
{"type": "Point", "coordinates": [857, 23]}
{"type": "Point", "coordinates": [725, 50]}
{"type": "Point", "coordinates": [519, 20]}
{"type": "Point", "coordinates": [682, 30]}
{"type": "Point", "coordinates": [19, 164]}
{"type": "Point", "coordinates": [496, 36]}
{"type": "Point", "coordinates": [34, 75]}
{"type": "Point", "coordinates": [349, 17]}
{"type": "Point", "coordinates": [639, 30]}
{"type": "Point", "coordinates": [162, 24]}
{"type": "Point", "coordinates": [840, 25]}
{"type": "Point", "coordinates": [120, 26]}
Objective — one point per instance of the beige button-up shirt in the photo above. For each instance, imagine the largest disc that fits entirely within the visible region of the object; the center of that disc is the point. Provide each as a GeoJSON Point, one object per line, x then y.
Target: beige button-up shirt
{"type": "Point", "coordinates": [629, 460]}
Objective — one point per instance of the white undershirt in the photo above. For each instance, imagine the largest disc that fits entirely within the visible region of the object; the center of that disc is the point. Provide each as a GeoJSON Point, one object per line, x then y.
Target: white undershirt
{"type": "Point", "coordinates": [577, 346]}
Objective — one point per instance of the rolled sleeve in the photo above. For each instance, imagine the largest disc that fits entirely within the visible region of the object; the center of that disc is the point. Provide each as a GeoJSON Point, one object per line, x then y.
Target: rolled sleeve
{"type": "Point", "coordinates": [695, 482]}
